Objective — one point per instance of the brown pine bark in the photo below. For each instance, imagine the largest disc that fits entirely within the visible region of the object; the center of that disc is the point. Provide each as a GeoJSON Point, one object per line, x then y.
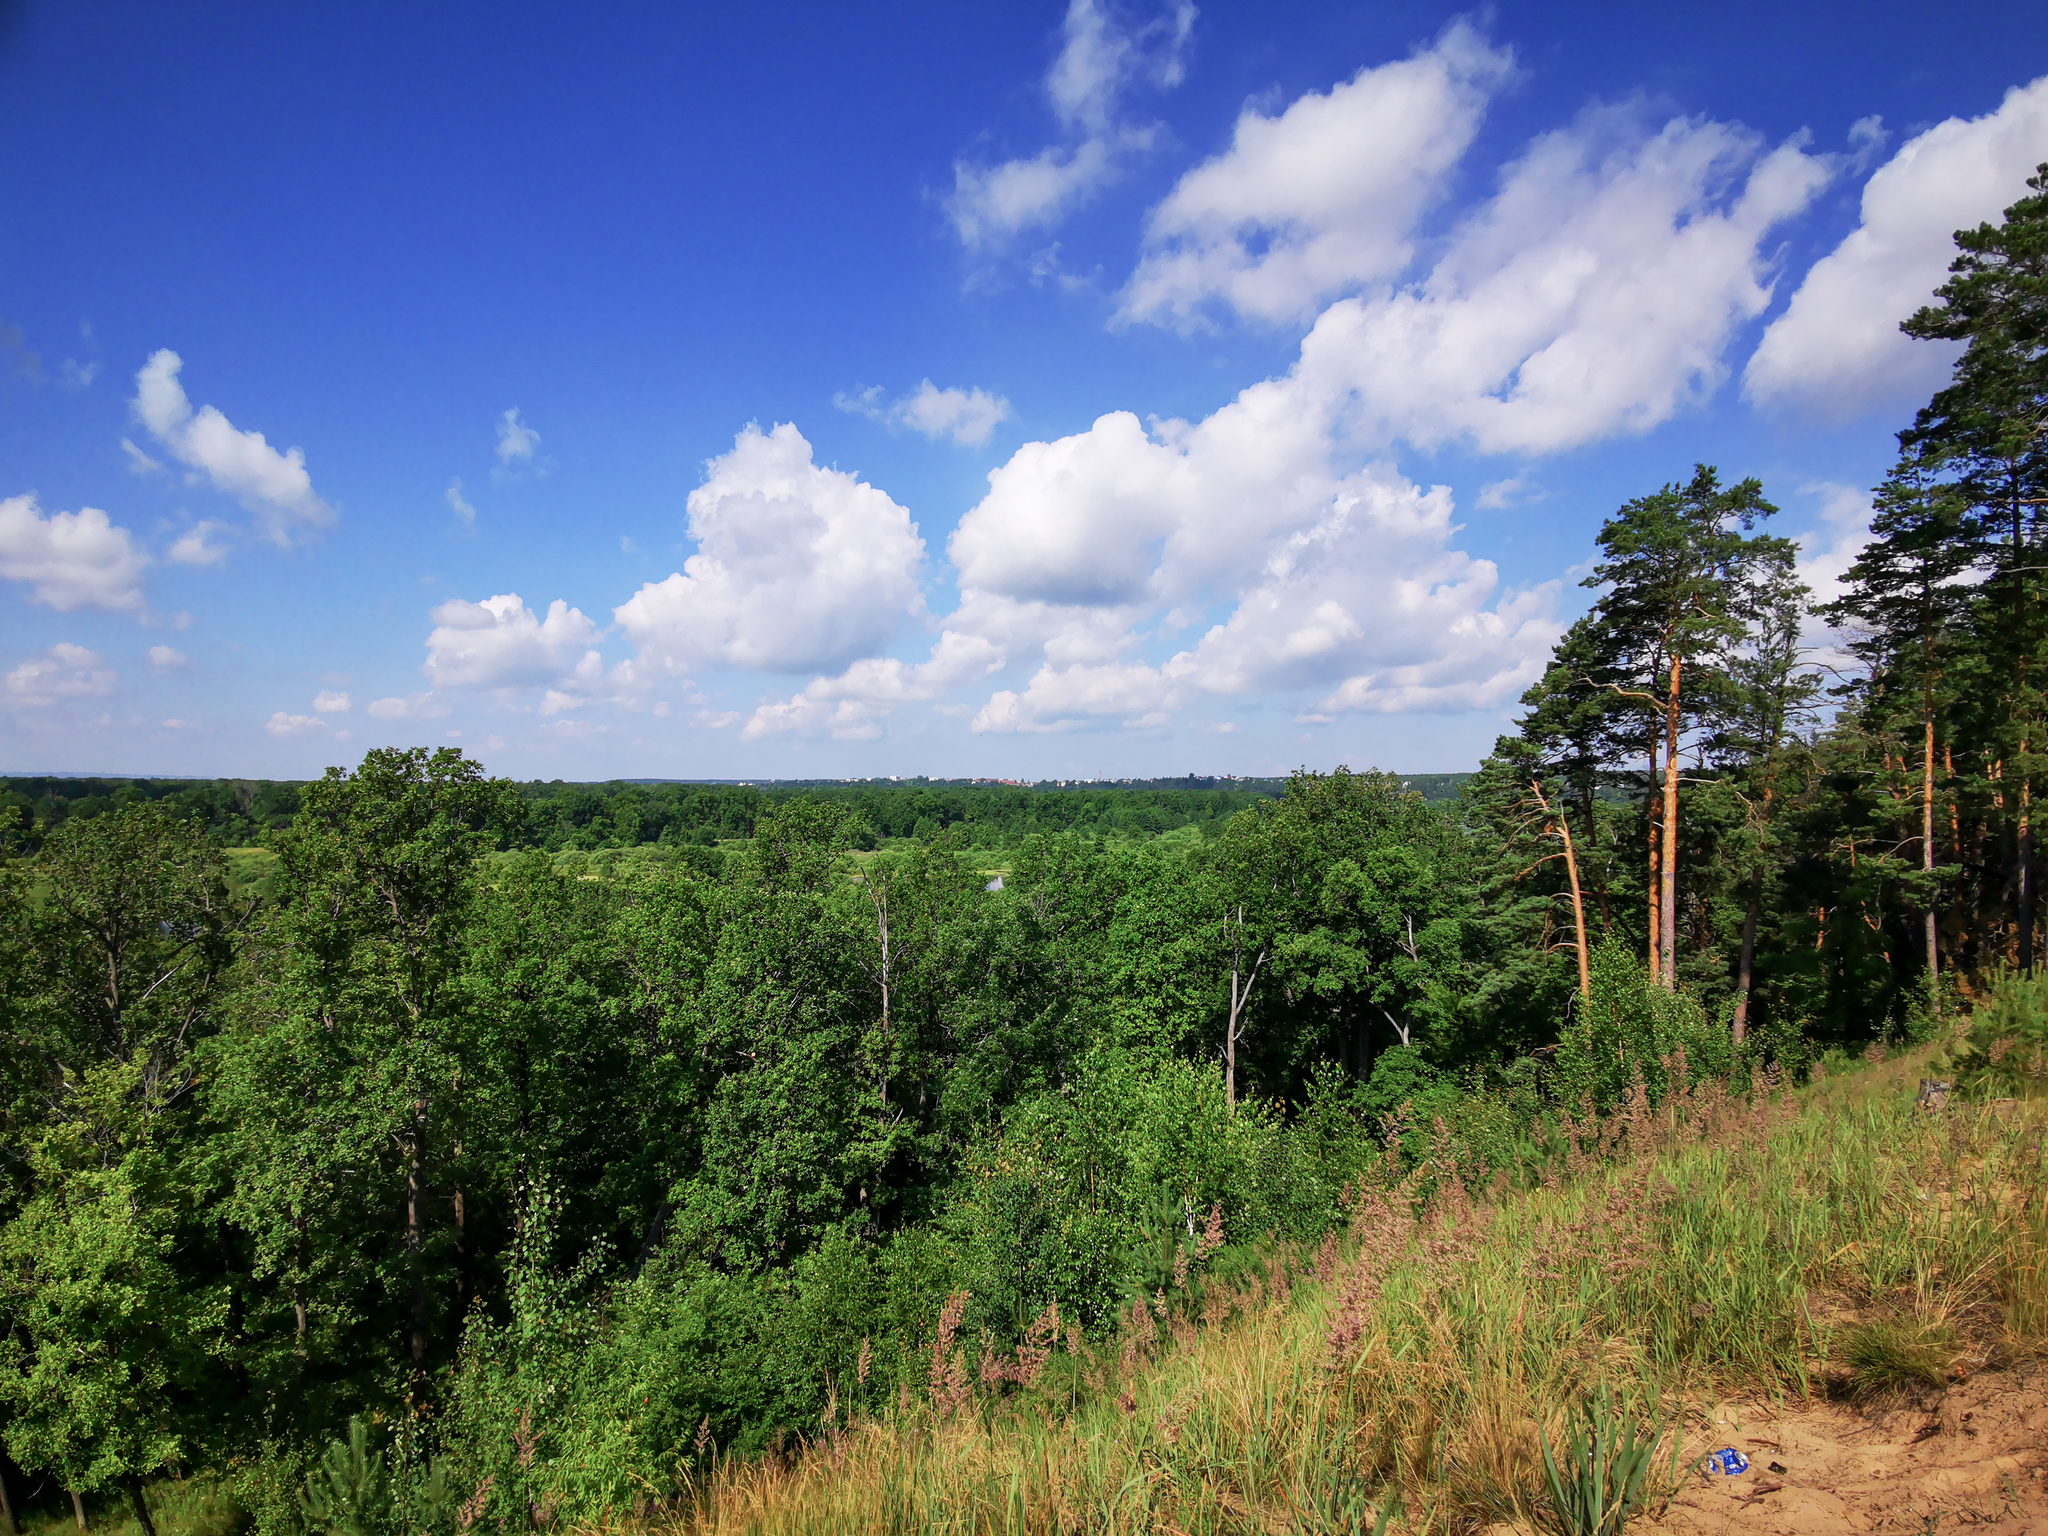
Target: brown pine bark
{"type": "Point", "coordinates": [2026, 874]}
{"type": "Point", "coordinates": [1653, 884]}
{"type": "Point", "coordinates": [1668, 874]}
{"type": "Point", "coordinates": [1746, 968]}
{"type": "Point", "coordinates": [1927, 864]}
{"type": "Point", "coordinates": [1571, 865]}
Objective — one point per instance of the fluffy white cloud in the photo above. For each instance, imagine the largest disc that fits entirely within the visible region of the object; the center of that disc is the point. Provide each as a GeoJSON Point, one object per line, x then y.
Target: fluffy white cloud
{"type": "Point", "coordinates": [194, 547]}
{"type": "Point", "coordinates": [70, 559]}
{"type": "Point", "coordinates": [516, 440]}
{"type": "Point", "coordinates": [330, 702]}
{"type": "Point", "coordinates": [282, 724]}
{"type": "Point", "coordinates": [62, 672]}
{"type": "Point", "coordinates": [967, 416]}
{"type": "Point", "coordinates": [1837, 347]}
{"type": "Point", "coordinates": [1322, 198]}
{"type": "Point", "coordinates": [1099, 62]}
{"type": "Point", "coordinates": [798, 567]}
{"type": "Point", "coordinates": [1075, 521]}
{"type": "Point", "coordinates": [1362, 598]}
{"type": "Point", "coordinates": [273, 485]}
{"type": "Point", "coordinates": [499, 643]}
{"type": "Point", "coordinates": [166, 656]}
{"type": "Point", "coordinates": [1595, 293]}
{"type": "Point", "coordinates": [1062, 698]}
{"type": "Point", "coordinates": [459, 504]}
{"type": "Point", "coordinates": [852, 706]}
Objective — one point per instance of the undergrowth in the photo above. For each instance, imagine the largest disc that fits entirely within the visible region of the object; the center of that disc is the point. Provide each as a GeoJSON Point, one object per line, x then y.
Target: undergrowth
{"type": "Point", "coordinates": [1413, 1370]}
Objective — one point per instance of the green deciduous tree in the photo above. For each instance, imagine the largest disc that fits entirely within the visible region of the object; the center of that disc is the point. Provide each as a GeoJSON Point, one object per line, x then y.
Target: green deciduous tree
{"type": "Point", "coordinates": [122, 953]}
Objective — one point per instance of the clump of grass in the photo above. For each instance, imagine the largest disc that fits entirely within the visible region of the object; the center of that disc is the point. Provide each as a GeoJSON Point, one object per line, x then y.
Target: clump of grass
{"type": "Point", "coordinates": [1890, 1357]}
{"type": "Point", "coordinates": [1602, 1473]}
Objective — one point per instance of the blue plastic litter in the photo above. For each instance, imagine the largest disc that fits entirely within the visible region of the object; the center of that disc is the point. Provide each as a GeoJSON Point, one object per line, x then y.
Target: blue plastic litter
{"type": "Point", "coordinates": [1729, 1461]}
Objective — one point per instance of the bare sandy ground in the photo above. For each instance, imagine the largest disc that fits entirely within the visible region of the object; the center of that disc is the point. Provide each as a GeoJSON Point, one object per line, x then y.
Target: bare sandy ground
{"type": "Point", "coordinates": [1973, 1458]}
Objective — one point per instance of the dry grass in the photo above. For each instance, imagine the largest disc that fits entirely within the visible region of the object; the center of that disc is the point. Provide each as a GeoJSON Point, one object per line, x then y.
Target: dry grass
{"type": "Point", "coordinates": [1780, 1245]}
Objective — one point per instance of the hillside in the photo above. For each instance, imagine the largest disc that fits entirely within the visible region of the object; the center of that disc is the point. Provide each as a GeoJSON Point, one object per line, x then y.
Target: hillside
{"type": "Point", "coordinates": [1847, 1288]}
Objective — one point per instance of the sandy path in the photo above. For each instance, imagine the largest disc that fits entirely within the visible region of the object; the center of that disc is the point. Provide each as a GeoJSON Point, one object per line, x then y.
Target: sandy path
{"type": "Point", "coordinates": [1972, 1458]}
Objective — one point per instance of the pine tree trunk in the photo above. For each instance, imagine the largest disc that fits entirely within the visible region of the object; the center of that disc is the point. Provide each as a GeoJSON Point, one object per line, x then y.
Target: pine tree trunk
{"type": "Point", "coordinates": [1668, 885]}
{"type": "Point", "coordinates": [1571, 865]}
{"type": "Point", "coordinates": [1746, 966]}
{"type": "Point", "coordinates": [1652, 884]}
{"type": "Point", "coordinates": [1927, 864]}
{"type": "Point", "coordinates": [2025, 855]}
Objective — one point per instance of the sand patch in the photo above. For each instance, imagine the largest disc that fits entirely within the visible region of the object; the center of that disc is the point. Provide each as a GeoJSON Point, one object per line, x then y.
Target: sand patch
{"type": "Point", "coordinates": [1974, 1457]}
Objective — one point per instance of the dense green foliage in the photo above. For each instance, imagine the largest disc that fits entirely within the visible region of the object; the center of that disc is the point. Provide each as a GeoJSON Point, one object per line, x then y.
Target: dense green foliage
{"type": "Point", "coordinates": [561, 1171]}
{"type": "Point", "coordinates": [626, 814]}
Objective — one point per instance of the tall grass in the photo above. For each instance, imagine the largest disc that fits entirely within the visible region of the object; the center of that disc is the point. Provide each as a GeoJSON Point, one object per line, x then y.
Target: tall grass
{"type": "Point", "coordinates": [1717, 1245]}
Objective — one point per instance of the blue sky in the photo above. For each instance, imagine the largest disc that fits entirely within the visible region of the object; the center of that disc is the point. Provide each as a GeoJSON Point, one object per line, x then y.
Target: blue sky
{"type": "Point", "coordinates": [1032, 390]}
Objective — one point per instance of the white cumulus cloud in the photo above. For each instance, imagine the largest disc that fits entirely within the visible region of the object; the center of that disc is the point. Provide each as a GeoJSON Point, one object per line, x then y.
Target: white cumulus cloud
{"type": "Point", "coordinates": [459, 504]}
{"type": "Point", "coordinates": [853, 705]}
{"type": "Point", "coordinates": [282, 724]}
{"type": "Point", "coordinates": [499, 643]}
{"type": "Point", "coordinates": [273, 485]}
{"type": "Point", "coordinates": [1099, 63]}
{"type": "Point", "coordinates": [1595, 293]}
{"type": "Point", "coordinates": [1838, 348]}
{"type": "Point", "coordinates": [798, 567]}
{"type": "Point", "coordinates": [70, 560]}
{"type": "Point", "coordinates": [166, 656]}
{"type": "Point", "coordinates": [64, 671]}
{"type": "Point", "coordinates": [1346, 584]}
{"type": "Point", "coordinates": [330, 702]}
{"type": "Point", "coordinates": [1322, 198]}
{"type": "Point", "coordinates": [967, 416]}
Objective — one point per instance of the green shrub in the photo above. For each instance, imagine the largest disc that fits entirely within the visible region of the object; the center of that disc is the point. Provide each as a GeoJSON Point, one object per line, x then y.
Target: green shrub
{"type": "Point", "coordinates": [2005, 1053]}
{"type": "Point", "coordinates": [1632, 1025]}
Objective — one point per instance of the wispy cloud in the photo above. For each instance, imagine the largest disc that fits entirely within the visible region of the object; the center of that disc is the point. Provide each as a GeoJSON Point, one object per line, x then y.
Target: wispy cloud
{"type": "Point", "coordinates": [1098, 65]}
{"type": "Point", "coordinates": [967, 416]}
{"type": "Point", "coordinates": [516, 440]}
{"type": "Point", "coordinates": [273, 485]}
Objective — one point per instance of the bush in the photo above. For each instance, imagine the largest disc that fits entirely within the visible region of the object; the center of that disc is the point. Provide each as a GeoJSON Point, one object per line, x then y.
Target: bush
{"type": "Point", "coordinates": [1632, 1025]}
{"type": "Point", "coordinates": [2005, 1053]}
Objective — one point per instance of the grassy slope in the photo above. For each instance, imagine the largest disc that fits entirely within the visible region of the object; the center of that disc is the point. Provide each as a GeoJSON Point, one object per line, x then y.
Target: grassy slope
{"type": "Point", "coordinates": [1737, 1248]}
